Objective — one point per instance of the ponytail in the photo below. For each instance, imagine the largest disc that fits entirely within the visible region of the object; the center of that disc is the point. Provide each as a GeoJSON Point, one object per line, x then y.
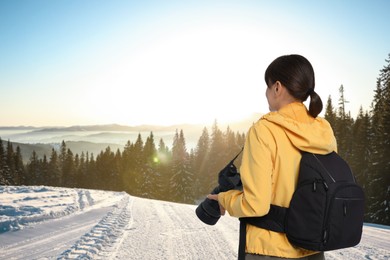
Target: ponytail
{"type": "Point", "coordinates": [315, 106]}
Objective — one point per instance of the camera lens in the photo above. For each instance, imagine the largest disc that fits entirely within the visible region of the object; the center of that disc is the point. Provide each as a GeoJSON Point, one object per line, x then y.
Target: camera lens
{"type": "Point", "coordinates": [208, 211]}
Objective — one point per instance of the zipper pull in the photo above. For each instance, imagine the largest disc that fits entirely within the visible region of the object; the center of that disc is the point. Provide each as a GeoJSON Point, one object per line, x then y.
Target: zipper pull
{"type": "Point", "coordinates": [314, 186]}
{"type": "Point", "coordinates": [325, 237]}
{"type": "Point", "coordinates": [325, 185]}
{"type": "Point", "coordinates": [345, 209]}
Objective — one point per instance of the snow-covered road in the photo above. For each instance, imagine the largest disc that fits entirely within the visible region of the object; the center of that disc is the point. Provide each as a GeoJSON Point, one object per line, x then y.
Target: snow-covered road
{"type": "Point", "coordinates": [164, 230]}
{"type": "Point", "coordinates": [57, 223]}
{"type": "Point", "coordinates": [49, 238]}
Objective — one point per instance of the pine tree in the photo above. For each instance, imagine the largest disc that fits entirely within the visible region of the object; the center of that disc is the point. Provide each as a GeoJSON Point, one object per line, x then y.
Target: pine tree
{"type": "Point", "coordinates": [217, 158]}
{"type": "Point", "coordinates": [164, 157]}
{"type": "Point", "coordinates": [384, 196]}
{"type": "Point", "coordinates": [76, 167]}
{"type": "Point", "coordinates": [182, 177]}
{"type": "Point", "coordinates": [200, 160]}
{"type": "Point", "coordinates": [91, 172]}
{"type": "Point", "coordinates": [152, 176]}
{"type": "Point", "coordinates": [20, 171]}
{"type": "Point", "coordinates": [138, 167]}
{"type": "Point", "coordinates": [81, 172]}
{"type": "Point", "coordinates": [44, 168]}
{"type": "Point", "coordinates": [118, 185]}
{"type": "Point", "coordinates": [10, 162]}
{"type": "Point", "coordinates": [33, 170]}
{"type": "Point", "coordinates": [231, 144]}
{"type": "Point", "coordinates": [3, 180]}
{"type": "Point", "coordinates": [379, 184]}
{"type": "Point", "coordinates": [62, 162]}
{"type": "Point", "coordinates": [68, 170]}
{"type": "Point", "coordinates": [374, 178]}
{"type": "Point", "coordinates": [55, 178]}
{"type": "Point", "coordinates": [127, 172]}
{"type": "Point", "coordinates": [361, 150]}
{"type": "Point", "coordinates": [163, 153]}
{"type": "Point", "coordinates": [343, 128]}
{"type": "Point", "coordinates": [107, 171]}
{"type": "Point", "coordinates": [188, 177]}
{"type": "Point", "coordinates": [330, 114]}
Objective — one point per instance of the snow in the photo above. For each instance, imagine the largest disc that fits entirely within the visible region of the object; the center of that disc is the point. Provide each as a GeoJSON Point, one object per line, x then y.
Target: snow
{"type": "Point", "coordinates": [40, 222]}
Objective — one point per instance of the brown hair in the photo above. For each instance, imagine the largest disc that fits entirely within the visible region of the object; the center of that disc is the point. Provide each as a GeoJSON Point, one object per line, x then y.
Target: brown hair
{"type": "Point", "coordinates": [296, 74]}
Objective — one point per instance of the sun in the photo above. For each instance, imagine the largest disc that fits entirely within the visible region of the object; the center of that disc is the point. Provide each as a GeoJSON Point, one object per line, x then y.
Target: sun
{"type": "Point", "coordinates": [197, 76]}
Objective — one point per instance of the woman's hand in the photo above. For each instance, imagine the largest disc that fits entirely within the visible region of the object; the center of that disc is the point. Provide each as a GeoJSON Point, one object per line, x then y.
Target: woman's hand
{"type": "Point", "coordinates": [215, 197]}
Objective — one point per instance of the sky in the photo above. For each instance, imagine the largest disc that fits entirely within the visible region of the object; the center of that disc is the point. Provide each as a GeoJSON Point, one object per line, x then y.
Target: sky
{"type": "Point", "coordinates": [72, 62]}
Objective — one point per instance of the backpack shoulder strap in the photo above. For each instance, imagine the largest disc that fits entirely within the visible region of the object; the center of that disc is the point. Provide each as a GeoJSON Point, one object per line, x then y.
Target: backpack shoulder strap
{"type": "Point", "coordinates": [273, 221]}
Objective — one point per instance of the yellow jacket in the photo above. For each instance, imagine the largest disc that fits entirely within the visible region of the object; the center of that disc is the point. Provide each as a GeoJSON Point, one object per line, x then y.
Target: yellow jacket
{"type": "Point", "coordinates": [269, 172]}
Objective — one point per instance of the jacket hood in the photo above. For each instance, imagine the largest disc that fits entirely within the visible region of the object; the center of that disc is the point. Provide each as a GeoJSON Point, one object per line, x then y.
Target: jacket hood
{"type": "Point", "coordinates": [306, 133]}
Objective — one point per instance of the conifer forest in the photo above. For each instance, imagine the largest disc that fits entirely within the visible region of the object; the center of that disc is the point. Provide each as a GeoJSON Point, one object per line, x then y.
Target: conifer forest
{"type": "Point", "coordinates": [150, 169]}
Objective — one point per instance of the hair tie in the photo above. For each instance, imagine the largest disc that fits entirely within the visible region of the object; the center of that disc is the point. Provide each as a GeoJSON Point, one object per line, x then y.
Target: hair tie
{"type": "Point", "coordinates": [310, 91]}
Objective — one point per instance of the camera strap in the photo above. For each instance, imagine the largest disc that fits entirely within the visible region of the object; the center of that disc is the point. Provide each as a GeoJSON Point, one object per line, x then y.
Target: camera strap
{"type": "Point", "coordinates": [235, 157]}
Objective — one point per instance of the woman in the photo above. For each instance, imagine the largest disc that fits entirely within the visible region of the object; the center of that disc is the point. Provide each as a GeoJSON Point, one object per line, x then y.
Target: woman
{"type": "Point", "coordinates": [271, 156]}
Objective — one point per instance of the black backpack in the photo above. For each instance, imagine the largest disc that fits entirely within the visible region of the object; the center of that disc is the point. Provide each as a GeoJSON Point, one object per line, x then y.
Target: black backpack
{"type": "Point", "coordinates": [326, 210]}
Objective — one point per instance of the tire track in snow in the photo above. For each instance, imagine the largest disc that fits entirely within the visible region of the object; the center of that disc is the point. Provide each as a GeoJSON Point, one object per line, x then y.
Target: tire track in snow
{"type": "Point", "coordinates": [196, 236]}
{"type": "Point", "coordinates": [85, 199]}
{"type": "Point", "coordinates": [141, 240]}
{"type": "Point", "coordinates": [48, 238]}
{"type": "Point", "coordinates": [104, 238]}
{"type": "Point", "coordinates": [166, 230]}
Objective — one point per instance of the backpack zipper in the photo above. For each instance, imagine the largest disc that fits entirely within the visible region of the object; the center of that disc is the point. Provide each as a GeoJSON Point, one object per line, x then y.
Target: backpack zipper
{"type": "Point", "coordinates": [323, 167]}
{"type": "Point", "coordinates": [327, 214]}
{"type": "Point", "coordinates": [326, 187]}
{"type": "Point", "coordinates": [314, 185]}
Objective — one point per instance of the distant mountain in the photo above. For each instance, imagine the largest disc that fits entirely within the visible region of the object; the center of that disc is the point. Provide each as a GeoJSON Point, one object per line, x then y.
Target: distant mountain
{"type": "Point", "coordinates": [18, 127]}
{"type": "Point", "coordinates": [27, 149]}
{"type": "Point", "coordinates": [241, 125]}
{"type": "Point", "coordinates": [117, 128]}
{"type": "Point", "coordinates": [96, 138]}
{"type": "Point", "coordinates": [79, 128]}
{"type": "Point", "coordinates": [95, 148]}
{"type": "Point", "coordinates": [75, 147]}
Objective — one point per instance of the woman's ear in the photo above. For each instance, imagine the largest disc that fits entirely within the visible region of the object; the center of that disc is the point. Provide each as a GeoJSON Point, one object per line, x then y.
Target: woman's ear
{"type": "Point", "coordinates": [278, 87]}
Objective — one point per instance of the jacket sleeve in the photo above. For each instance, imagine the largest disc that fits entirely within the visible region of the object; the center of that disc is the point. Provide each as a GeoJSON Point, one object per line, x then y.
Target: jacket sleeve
{"type": "Point", "coordinates": [256, 175]}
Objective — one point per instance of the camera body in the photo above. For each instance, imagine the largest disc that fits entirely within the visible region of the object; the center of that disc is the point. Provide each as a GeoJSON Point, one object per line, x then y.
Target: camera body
{"type": "Point", "coordinates": [228, 179]}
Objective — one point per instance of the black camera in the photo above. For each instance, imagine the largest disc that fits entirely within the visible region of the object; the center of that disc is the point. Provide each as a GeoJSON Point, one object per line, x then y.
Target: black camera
{"type": "Point", "coordinates": [228, 179]}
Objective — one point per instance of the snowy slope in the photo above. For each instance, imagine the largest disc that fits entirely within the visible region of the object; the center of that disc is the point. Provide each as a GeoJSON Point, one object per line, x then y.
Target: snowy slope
{"type": "Point", "coordinates": [56, 223]}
